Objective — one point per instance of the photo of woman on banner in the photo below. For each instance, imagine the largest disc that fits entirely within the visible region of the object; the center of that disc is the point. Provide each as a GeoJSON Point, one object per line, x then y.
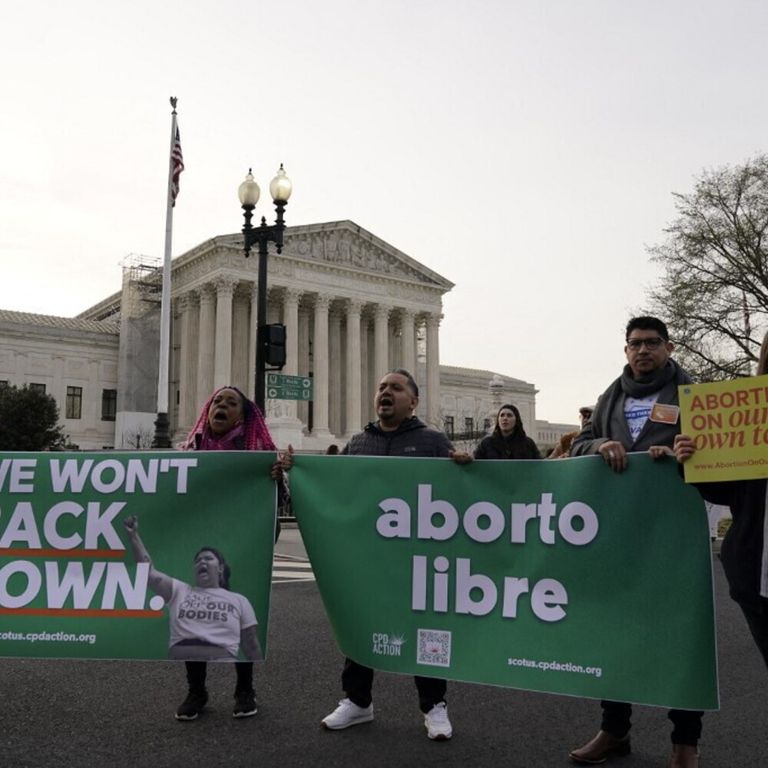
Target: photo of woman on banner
{"type": "Point", "coordinates": [207, 620]}
{"type": "Point", "coordinates": [743, 552]}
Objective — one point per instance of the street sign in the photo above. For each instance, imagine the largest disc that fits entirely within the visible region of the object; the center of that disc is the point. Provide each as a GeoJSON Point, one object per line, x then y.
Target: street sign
{"type": "Point", "coordinates": [283, 387]}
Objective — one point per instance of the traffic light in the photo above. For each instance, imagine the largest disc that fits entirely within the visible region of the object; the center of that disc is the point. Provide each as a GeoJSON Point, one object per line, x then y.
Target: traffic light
{"type": "Point", "coordinates": [273, 345]}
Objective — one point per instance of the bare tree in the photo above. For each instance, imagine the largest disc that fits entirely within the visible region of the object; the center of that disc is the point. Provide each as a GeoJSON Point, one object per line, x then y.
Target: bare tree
{"type": "Point", "coordinates": [714, 292]}
{"type": "Point", "coordinates": [138, 439]}
{"type": "Point", "coordinates": [466, 429]}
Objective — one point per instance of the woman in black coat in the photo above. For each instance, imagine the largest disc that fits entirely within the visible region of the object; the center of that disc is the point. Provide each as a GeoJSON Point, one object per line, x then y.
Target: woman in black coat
{"type": "Point", "coordinates": [508, 439]}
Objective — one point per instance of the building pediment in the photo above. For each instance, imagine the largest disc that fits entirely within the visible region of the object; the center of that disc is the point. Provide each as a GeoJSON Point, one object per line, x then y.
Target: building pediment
{"type": "Point", "coordinates": [345, 244]}
{"type": "Point", "coordinates": [339, 245]}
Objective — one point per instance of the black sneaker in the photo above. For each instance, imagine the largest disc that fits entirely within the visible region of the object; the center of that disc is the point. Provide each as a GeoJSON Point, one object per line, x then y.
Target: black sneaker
{"type": "Point", "coordinates": [245, 704]}
{"type": "Point", "coordinates": [192, 706]}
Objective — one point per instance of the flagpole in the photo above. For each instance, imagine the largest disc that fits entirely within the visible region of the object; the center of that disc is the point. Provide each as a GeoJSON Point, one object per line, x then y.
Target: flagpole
{"type": "Point", "coordinates": [162, 423]}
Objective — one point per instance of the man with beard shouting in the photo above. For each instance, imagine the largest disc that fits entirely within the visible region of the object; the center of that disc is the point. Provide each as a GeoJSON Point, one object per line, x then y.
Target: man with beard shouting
{"type": "Point", "coordinates": [397, 432]}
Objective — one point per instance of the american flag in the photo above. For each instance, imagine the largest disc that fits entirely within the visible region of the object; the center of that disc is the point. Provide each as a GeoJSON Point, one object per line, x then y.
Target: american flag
{"type": "Point", "coordinates": [177, 159]}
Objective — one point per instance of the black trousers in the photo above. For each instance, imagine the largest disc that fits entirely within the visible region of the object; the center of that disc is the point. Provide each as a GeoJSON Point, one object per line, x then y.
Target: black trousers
{"type": "Point", "coordinates": [757, 620]}
{"type": "Point", "coordinates": [357, 682]}
{"type": "Point", "coordinates": [196, 671]}
{"type": "Point", "coordinates": [686, 723]}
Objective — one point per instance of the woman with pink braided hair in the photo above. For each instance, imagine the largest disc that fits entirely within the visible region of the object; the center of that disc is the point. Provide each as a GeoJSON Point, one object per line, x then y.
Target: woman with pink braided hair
{"type": "Point", "coordinates": [228, 421]}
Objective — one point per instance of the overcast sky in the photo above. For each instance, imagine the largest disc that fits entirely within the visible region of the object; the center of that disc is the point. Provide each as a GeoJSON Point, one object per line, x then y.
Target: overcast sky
{"type": "Point", "coordinates": [526, 150]}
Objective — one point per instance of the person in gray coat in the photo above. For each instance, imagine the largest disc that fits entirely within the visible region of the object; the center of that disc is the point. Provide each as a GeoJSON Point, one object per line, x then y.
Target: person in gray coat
{"type": "Point", "coordinates": [638, 412]}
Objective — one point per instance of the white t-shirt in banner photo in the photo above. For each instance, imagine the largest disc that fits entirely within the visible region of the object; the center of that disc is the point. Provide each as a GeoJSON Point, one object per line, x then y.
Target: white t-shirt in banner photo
{"type": "Point", "coordinates": [214, 616]}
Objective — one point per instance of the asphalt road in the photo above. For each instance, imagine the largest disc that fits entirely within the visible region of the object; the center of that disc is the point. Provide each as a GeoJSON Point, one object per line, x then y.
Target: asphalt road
{"type": "Point", "coordinates": [121, 713]}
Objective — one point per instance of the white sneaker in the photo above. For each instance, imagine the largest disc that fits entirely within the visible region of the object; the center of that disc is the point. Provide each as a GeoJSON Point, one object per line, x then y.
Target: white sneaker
{"type": "Point", "coordinates": [346, 714]}
{"type": "Point", "coordinates": [437, 723]}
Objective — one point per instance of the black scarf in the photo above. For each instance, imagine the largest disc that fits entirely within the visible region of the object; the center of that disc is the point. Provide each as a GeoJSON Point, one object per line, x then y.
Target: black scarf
{"type": "Point", "coordinates": [650, 382]}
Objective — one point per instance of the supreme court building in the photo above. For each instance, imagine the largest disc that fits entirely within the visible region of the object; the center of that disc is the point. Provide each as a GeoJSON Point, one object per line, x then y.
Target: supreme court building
{"type": "Point", "coordinates": [354, 307]}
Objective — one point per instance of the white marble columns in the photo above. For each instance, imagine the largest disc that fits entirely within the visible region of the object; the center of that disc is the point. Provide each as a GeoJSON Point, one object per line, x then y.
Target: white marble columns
{"type": "Point", "coordinates": [335, 372]}
{"type": "Point", "coordinates": [222, 367]}
{"type": "Point", "coordinates": [291, 321]}
{"type": "Point", "coordinates": [353, 344]}
{"type": "Point", "coordinates": [241, 341]}
{"type": "Point", "coordinates": [433, 370]}
{"type": "Point", "coordinates": [187, 391]}
{"type": "Point", "coordinates": [205, 343]}
{"type": "Point", "coordinates": [408, 341]}
{"type": "Point", "coordinates": [320, 354]}
{"type": "Point", "coordinates": [354, 417]}
{"type": "Point", "coordinates": [380, 340]}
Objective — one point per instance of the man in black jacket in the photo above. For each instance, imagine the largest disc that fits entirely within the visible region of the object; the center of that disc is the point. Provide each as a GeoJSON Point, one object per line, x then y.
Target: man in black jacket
{"type": "Point", "coordinates": [397, 432]}
{"type": "Point", "coordinates": [638, 412]}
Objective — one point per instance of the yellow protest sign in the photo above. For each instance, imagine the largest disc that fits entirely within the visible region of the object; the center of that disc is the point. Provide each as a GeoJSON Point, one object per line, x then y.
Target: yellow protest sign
{"type": "Point", "coordinates": [728, 420]}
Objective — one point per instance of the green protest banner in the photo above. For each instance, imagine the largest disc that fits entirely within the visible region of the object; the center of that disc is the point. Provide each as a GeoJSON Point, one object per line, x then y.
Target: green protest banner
{"type": "Point", "coordinates": [70, 585]}
{"type": "Point", "coordinates": [556, 576]}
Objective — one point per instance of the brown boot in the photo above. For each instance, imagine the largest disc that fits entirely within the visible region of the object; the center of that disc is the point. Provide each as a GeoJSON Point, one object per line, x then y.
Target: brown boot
{"type": "Point", "coordinates": [684, 756]}
{"type": "Point", "coordinates": [600, 749]}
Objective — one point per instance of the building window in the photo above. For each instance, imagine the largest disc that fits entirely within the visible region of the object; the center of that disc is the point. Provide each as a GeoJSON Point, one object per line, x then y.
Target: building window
{"type": "Point", "coordinates": [486, 425]}
{"type": "Point", "coordinates": [74, 404]}
{"type": "Point", "coordinates": [449, 426]}
{"type": "Point", "coordinates": [108, 404]}
{"type": "Point", "coordinates": [469, 426]}
{"type": "Point", "coordinates": [37, 387]}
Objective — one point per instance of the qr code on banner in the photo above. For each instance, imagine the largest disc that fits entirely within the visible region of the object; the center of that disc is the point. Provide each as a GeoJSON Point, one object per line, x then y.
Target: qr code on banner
{"type": "Point", "coordinates": [434, 648]}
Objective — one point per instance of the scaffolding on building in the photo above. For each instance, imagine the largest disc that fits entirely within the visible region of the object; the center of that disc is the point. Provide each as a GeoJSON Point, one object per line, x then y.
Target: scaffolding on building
{"type": "Point", "coordinates": [146, 273]}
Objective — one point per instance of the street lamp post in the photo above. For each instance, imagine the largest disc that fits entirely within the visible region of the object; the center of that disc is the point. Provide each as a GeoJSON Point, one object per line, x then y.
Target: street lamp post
{"type": "Point", "coordinates": [280, 188]}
